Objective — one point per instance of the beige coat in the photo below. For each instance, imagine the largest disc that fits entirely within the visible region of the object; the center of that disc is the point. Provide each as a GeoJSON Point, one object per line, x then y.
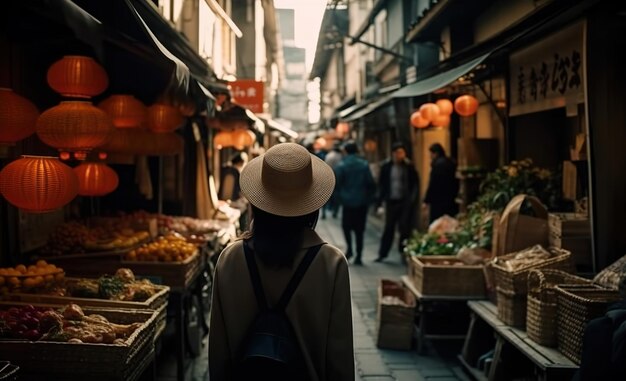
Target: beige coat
{"type": "Point", "coordinates": [319, 311]}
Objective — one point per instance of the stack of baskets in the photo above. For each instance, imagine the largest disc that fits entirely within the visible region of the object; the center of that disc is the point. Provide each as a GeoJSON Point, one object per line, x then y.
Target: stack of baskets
{"type": "Point", "coordinates": [576, 306]}
{"type": "Point", "coordinates": [512, 286]}
{"type": "Point", "coordinates": [542, 302]}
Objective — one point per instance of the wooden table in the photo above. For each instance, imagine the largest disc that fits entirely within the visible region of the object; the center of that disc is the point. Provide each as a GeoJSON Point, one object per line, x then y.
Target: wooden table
{"type": "Point", "coordinates": [514, 354]}
{"type": "Point", "coordinates": [426, 309]}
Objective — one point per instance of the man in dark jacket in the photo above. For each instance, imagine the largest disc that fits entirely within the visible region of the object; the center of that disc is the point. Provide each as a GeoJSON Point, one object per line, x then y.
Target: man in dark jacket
{"type": "Point", "coordinates": [399, 190]}
{"type": "Point", "coordinates": [443, 185]}
{"type": "Point", "coordinates": [355, 187]}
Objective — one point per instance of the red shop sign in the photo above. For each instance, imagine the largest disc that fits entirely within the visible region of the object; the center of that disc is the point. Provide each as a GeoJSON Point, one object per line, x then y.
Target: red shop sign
{"type": "Point", "coordinates": [248, 93]}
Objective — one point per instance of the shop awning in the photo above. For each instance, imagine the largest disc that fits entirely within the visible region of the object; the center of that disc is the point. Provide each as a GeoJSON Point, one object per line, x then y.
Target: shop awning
{"type": "Point", "coordinates": [352, 109]}
{"type": "Point", "coordinates": [218, 10]}
{"type": "Point", "coordinates": [436, 82]}
{"type": "Point", "coordinates": [274, 125]}
{"type": "Point", "coordinates": [371, 107]}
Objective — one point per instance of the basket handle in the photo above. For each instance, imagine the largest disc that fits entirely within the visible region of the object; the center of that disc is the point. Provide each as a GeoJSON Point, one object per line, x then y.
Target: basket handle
{"type": "Point", "coordinates": [511, 214]}
{"type": "Point", "coordinates": [536, 280]}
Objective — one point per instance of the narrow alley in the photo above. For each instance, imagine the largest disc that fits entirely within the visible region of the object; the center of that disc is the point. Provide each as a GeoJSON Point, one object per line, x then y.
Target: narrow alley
{"type": "Point", "coordinates": [372, 364]}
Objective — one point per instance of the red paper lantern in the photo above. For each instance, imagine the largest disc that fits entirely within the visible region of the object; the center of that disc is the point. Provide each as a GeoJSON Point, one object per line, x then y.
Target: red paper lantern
{"type": "Point", "coordinates": [370, 145]}
{"type": "Point", "coordinates": [74, 126]}
{"type": "Point", "coordinates": [163, 118]}
{"type": "Point", "coordinates": [223, 139]}
{"type": "Point", "coordinates": [418, 121]}
{"type": "Point", "coordinates": [18, 117]}
{"type": "Point", "coordinates": [96, 179]}
{"type": "Point", "coordinates": [243, 138]}
{"type": "Point", "coordinates": [38, 184]}
{"type": "Point", "coordinates": [125, 111]}
{"type": "Point", "coordinates": [441, 121]}
{"type": "Point", "coordinates": [127, 140]}
{"type": "Point", "coordinates": [466, 105]}
{"type": "Point", "coordinates": [429, 111]}
{"type": "Point", "coordinates": [342, 128]}
{"type": "Point", "coordinates": [77, 77]}
{"type": "Point", "coordinates": [445, 106]}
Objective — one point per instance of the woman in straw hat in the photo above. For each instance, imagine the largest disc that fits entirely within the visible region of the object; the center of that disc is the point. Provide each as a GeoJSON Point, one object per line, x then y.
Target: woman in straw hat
{"type": "Point", "coordinates": [286, 187]}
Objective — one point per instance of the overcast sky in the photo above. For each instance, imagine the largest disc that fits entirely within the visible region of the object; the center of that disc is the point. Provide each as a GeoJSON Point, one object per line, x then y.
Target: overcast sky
{"type": "Point", "coordinates": [308, 17]}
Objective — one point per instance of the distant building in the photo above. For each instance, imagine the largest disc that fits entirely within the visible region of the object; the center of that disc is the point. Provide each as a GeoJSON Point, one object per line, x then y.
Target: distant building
{"type": "Point", "coordinates": [292, 98]}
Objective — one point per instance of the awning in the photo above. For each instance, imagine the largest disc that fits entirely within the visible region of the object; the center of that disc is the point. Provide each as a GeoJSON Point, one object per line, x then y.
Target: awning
{"type": "Point", "coordinates": [352, 109]}
{"type": "Point", "coordinates": [373, 106]}
{"type": "Point", "coordinates": [218, 10]}
{"type": "Point", "coordinates": [436, 82]}
{"type": "Point", "coordinates": [274, 125]}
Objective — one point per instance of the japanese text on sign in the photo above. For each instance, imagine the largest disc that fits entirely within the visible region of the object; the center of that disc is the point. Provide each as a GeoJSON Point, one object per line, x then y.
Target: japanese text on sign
{"type": "Point", "coordinates": [548, 74]}
{"type": "Point", "coordinates": [248, 93]}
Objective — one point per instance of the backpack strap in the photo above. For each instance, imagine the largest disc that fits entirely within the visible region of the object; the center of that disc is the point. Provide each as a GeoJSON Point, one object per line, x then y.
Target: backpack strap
{"type": "Point", "coordinates": [296, 278]}
{"type": "Point", "coordinates": [257, 286]}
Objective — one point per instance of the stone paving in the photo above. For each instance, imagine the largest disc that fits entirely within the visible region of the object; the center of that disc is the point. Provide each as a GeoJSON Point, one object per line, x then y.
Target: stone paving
{"type": "Point", "coordinates": [371, 363]}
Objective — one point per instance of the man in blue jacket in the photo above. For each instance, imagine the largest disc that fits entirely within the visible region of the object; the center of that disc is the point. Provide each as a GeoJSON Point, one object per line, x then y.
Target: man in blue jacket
{"type": "Point", "coordinates": [355, 187]}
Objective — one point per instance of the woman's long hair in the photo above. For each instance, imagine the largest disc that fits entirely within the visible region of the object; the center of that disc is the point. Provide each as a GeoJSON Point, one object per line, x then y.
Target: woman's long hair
{"type": "Point", "coordinates": [277, 239]}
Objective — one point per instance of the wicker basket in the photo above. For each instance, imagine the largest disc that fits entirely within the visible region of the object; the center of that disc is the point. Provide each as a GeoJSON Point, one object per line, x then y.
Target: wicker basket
{"type": "Point", "coordinates": [71, 361]}
{"type": "Point", "coordinates": [511, 308]}
{"type": "Point", "coordinates": [517, 281]}
{"type": "Point", "coordinates": [541, 311]}
{"type": "Point", "coordinates": [577, 306]}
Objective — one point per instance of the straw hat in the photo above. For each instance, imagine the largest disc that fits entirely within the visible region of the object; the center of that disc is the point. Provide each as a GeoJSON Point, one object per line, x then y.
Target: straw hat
{"type": "Point", "coordinates": [287, 181]}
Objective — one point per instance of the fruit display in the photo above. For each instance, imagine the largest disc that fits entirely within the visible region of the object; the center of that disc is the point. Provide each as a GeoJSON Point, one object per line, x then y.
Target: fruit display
{"type": "Point", "coordinates": [76, 238]}
{"type": "Point", "coordinates": [37, 276]}
{"type": "Point", "coordinates": [70, 325]}
{"type": "Point", "coordinates": [121, 286]}
{"type": "Point", "coordinates": [169, 248]}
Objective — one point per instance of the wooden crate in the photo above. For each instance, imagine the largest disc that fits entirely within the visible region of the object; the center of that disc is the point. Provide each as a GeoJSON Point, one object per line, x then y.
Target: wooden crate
{"type": "Point", "coordinates": [173, 274]}
{"type": "Point", "coordinates": [568, 225]}
{"type": "Point", "coordinates": [158, 303]}
{"type": "Point", "coordinates": [87, 265]}
{"type": "Point", "coordinates": [49, 360]}
{"type": "Point", "coordinates": [438, 275]}
{"type": "Point", "coordinates": [395, 321]}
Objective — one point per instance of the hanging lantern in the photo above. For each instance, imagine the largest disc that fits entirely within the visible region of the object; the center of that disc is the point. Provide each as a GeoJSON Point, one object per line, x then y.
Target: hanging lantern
{"type": "Point", "coordinates": [163, 118]}
{"type": "Point", "coordinates": [418, 121]}
{"type": "Point", "coordinates": [223, 139]}
{"type": "Point", "coordinates": [370, 145]}
{"type": "Point", "coordinates": [77, 77]}
{"type": "Point", "coordinates": [125, 111]}
{"type": "Point", "coordinates": [466, 105]}
{"type": "Point", "coordinates": [18, 117]}
{"type": "Point", "coordinates": [342, 128]}
{"type": "Point", "coordinates": [445, 106]}
{"type": "Point", "coordinates": [74, 126]}
{"type": "Point", "coordinates": [429, 111]}
{"type": "Point", "coordinates": [320, 143]}
{"type": "Point", "coordinates": [243, 138]}
{"type": "Point", "coordinates": [38, 184]}
{"type": "Point", "coordinates": [441, 121]}
{"type": "Point", "coordinates": [127, 140]}
{"type": "Point", "coordinates": [96, 179]}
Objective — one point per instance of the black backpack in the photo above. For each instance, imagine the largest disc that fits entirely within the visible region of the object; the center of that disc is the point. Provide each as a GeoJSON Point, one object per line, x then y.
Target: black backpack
{"type": "Point", "coordinates": [270, 350]}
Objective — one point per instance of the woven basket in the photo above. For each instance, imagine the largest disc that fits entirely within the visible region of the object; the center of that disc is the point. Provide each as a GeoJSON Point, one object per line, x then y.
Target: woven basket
{"type": "Point", "coordinates": [511, 308]}
{"type": "Point", "coordinates": [517, 281]}
{"type": "Point", "coordinates": [577, 306]}
{"type": "Point", "coordinates": [541, 311]}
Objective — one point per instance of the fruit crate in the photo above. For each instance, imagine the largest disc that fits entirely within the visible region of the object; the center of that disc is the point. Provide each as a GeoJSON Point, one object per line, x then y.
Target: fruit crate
{"type": "Point", "coordinates": [157, 302]}
{"type": "Point", "coordinates": [49, 360]}
{"type": "Point", "coordinates": [177, 275]}
{"type": "Point", "coordinates": [446, 275]}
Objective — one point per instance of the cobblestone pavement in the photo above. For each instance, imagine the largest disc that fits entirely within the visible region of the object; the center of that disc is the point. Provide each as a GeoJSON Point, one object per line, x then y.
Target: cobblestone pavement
{"type": "Point", "coordinates": [372, 364]}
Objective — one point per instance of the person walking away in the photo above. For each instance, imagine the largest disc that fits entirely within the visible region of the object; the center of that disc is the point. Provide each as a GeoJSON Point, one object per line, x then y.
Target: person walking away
{"type": "Point", "coordinates": [443, 185]}
{"type": "Point", "coordinates": [283, 273]}
{"type": "Point", "coordinates": [355, 186]}
{"type": "Point", "coordinates": [398, 187]}
{"type": "Point", "coordinates": [333, 158]}
{"type": "Point", "coordinates": [230, 190]}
